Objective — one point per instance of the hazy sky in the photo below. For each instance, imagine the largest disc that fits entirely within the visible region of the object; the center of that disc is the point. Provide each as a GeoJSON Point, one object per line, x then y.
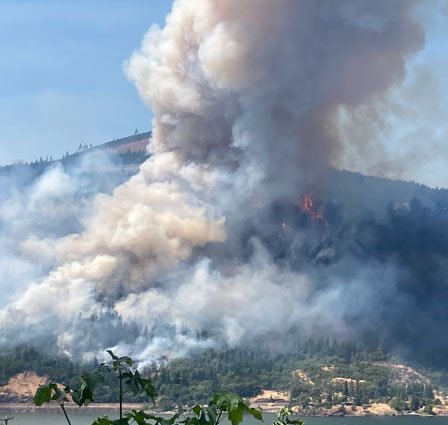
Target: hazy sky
{"type": "Point", "coordinates": [412, 142]}
{"type": "Point", "coordinates": [62, 81]}
{"type": "Point", "coordinates": [61, 76]}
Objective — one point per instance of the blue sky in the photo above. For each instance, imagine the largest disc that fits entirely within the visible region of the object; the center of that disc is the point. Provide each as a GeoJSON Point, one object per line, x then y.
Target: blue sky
{"type": "Point", "coordinates": [61, 76]}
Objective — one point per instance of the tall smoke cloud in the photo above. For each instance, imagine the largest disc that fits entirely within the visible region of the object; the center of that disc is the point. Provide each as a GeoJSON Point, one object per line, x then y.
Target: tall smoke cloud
{"type": "Point", "coordinates": [247, 98]}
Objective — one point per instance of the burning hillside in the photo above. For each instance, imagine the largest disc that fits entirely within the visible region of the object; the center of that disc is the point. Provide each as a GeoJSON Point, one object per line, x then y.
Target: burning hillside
{"type": "Point", "coordinates": [186, 254]}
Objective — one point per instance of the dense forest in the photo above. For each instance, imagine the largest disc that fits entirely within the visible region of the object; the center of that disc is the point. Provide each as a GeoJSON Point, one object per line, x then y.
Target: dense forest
{"type": "Point", "coordinates": [316, 373]}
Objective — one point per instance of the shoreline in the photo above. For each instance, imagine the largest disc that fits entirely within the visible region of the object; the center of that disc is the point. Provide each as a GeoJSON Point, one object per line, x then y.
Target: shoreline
{"type": "Point", "coordinates": [102, 408]}
{"type": "Point", "coordinates": [70, 407]}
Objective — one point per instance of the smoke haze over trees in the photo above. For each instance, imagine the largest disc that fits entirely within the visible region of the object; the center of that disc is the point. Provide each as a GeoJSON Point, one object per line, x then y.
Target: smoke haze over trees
{"type": "Point", "coordinates": [211, 236]}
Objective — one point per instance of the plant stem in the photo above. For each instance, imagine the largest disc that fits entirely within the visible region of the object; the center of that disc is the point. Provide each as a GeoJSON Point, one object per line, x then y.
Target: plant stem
{"type": "Point", "coordinates": [121, 394]}
{"type": "Point", "coordinates": [65, 413]}
{"type": "Point", "coordinates": [218, 419]}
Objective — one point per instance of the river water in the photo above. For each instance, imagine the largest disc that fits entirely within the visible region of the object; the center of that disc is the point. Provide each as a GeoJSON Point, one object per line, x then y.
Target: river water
{"type": "Point", "coordinates": [41, 418]}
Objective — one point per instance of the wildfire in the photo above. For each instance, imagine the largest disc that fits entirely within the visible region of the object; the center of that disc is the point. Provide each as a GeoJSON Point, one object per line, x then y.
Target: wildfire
{"type": "Point", "coordinates": [308, 208]}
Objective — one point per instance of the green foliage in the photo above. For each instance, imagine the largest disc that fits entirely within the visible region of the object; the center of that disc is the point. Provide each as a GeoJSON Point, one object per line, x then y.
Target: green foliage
{"type": "Point", "coordinates": [58, 367]}
{"type": "Point", "coordinates": [138, 385]}
{"type": "Point", "coordinates": [50, 392]}
{"type": "Point", "coordinates": [428, 409]}
{"type": "Point", "coordinates": [246, 371]}
{"type": "Point", "coordinates": [85, 392]}
{"type": "Point", "coordinates": [119, 362]}
{"type": "Point", "coordinates": [140, 417]}
{"type": "Point", "coordinates": [243, 370]}
{"type": "Point", "coordinates": [283, 418]}
{"type": "Point", "coordinates": [222, 404]}
{"type": "Point", "coordinates": [338, 371]}
{"type": "Point", "coordinates": [398, 405]}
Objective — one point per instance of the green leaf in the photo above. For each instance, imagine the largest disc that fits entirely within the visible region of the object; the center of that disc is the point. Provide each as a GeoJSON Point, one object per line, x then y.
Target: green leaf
{"type": "Point", "coordinates": [199, 419]}
{"type": "Point", "coordinates": [51, 392]}
{"type": "Point", "coordinates": [197, 410]}
{"type": "Point", "coordinates": [226, 401]}
{"type": "Point", "coordinates": [43, 395]}
{"type": "Point", "coordinates": [123, 421]}
{"type": "Point", "coordinates": [256, 413]}
{"type": "Point", "coordinates": [283, 418]}
{"type": "Point", "coordinates": [59, 394]}
{"type": "Point", "coordinates": [86, 392]}
{"type": "Point", "coordinates": [147, 386]}
{"type": "Point", "coordinates": [140, 417]}
{"type": "Point", "coordinates": [131, 381]}
{"type": "Point", "coordinates": [117, 362]}
{"type": "Point", "coordinates": [137, 384]}
{"type": "Point", "coordinates": [235, 415]}
{"type": "Point", "coordinates": [235, 407]}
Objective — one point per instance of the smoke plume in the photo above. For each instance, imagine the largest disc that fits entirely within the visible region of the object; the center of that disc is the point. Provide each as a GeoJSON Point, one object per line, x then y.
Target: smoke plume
{"type": "Point", "coordinates": [247, 98]}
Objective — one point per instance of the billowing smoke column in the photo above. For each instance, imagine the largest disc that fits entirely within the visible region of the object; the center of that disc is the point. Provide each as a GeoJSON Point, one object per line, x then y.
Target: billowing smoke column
{"type": "Point", "coordinates": [256, 85]}
{"type": "Point", "coordinates": [246, 97]}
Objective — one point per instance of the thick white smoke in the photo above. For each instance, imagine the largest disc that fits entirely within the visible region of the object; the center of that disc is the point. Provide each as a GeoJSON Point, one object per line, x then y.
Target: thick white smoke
{"type": "Point", "coordinates": [246, 96]}
{"type": "Point", "coordinates": [36, 212]}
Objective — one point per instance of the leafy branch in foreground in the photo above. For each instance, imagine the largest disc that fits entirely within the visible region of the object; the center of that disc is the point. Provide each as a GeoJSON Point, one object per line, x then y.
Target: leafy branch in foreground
{"type": "Point", "coordinates": [51, 392]}
{"type": "Point", "coordinates": [128, 379]}
{"type": "Point", "coordinates": [222, 406]}
{"type": "Point", "coordinates": [122, 367]}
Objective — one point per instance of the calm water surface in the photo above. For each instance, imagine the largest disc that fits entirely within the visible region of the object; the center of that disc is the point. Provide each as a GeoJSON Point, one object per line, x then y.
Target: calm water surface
{"type": "Point", "coordinates": [87, 419]}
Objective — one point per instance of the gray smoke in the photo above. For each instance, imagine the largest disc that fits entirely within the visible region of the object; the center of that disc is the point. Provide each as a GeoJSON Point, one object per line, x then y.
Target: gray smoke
{"type": "Point", "coordinates": [406, 125]}
{"type": "Point", "coordinates": [247, 98]}
{"type": "Point", "coordinates": [37, 210]}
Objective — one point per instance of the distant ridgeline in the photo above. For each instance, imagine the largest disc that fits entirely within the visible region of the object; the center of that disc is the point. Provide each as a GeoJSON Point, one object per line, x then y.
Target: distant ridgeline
{"type": "Point", "coordinates": [360, 193]}
{"type": "Point", "coordinates": [354, 192]}
{"type": "Point", "coordinates": [127, 153]}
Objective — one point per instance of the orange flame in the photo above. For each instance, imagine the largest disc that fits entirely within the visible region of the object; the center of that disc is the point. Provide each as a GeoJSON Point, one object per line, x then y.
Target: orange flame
{"type": "Point", "coordinates": [308, 208]}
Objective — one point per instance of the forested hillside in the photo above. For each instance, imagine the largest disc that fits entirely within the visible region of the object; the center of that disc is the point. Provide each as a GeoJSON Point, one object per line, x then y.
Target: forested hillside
{"type": "Point", "coordinates": [319, 373]}
{"type": "Point", "coordinates": [122, 152]}
{"type": "Point", "coordinates": [316, 373]}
